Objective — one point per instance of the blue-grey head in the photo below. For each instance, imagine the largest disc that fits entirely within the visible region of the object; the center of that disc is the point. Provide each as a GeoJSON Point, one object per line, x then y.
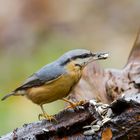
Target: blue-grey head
{"type": "Point", "coordinates": [81, 57]}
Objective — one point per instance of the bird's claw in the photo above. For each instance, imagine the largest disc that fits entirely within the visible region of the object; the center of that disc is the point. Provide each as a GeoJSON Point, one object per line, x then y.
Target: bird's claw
{"type": "Point", "coordinates": [75, 105]}
{"type": "Point", "coordinates": [46, 116]}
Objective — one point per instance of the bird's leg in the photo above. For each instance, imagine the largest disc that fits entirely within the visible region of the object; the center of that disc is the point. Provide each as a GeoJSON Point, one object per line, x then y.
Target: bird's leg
{"type": "Point", "coordinates": [45, 115]}
{"type": "Point", "coordinates": [72, 104]}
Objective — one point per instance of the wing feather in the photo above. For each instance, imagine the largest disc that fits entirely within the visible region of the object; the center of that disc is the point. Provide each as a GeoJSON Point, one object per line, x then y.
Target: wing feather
{"type": "Point", "coordinates": [47, 74]}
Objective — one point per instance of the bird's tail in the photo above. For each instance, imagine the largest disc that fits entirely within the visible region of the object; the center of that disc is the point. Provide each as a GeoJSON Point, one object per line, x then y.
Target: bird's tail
{"type": "Point", "coordinates": [8, 95]}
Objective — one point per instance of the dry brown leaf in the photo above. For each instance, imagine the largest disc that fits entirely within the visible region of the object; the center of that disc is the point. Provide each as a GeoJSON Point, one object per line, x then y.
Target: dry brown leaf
{"type": "Point", "coordinates": [107, 134]}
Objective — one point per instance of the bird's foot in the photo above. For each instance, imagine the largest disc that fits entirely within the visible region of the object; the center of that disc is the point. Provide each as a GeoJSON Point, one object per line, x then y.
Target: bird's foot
{"type": "Point", "coordinates": [46, 116]}
{"type": "Point", "coordinates": [75, 105]}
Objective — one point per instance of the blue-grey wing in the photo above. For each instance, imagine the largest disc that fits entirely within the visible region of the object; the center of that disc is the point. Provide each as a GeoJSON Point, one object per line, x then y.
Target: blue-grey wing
{"type": "Point", "coordinates": [45, 75]}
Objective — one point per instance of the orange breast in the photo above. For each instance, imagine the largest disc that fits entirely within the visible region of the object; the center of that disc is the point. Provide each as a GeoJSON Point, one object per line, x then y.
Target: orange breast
{"type": "Point", "coordinates": [54, 90]}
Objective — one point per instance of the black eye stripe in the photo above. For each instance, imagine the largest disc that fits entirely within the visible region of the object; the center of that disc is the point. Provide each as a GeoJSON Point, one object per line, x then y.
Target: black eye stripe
{"type": "Point", "coordinates": [81, 56]}
{"type": "Point", "coordinates": [86, 55]}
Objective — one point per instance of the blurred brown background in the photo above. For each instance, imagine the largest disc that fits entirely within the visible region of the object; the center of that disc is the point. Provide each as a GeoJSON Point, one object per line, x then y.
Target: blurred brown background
{"type": "Point", "coordinates": [33, 33]}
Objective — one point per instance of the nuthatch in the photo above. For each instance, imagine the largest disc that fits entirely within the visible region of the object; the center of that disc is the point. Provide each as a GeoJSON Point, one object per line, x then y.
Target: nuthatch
{"type": "Point", "coordinates": [56, 80]}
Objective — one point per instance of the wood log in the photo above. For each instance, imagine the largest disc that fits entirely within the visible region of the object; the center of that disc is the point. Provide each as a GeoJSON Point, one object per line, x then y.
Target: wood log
{"type": "Point", "coordinates": [124, 124]}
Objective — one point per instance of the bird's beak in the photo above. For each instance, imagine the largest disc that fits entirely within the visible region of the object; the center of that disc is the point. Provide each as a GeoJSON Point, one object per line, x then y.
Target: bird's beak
{"type": "Point", "coordinates": [97, 56]}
